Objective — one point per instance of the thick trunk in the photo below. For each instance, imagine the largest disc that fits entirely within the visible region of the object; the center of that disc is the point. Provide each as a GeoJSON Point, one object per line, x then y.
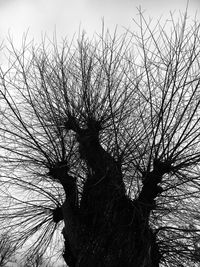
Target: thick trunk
{"type": "Point", "coordinates": [117, 235]}
{"type": "Point", "coordinates": [107, 228]}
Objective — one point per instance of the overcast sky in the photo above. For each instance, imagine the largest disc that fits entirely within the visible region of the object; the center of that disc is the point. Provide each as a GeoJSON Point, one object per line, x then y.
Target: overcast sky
{"type": "Point", "coordinates": [16, 16]}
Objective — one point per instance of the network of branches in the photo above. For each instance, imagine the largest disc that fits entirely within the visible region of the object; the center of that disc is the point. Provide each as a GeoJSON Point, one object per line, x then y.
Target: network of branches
{"type": "Point", "coordinates": [142, 89]}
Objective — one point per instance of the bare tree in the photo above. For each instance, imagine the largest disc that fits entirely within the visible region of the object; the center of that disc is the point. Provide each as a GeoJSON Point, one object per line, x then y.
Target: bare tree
{"type": "Point", "coordinates": [101, 138]}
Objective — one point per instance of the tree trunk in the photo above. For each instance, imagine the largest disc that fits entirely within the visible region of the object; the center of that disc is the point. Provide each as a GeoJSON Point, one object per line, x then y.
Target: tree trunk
{"type": "Point", "coordinates": [107, 228]}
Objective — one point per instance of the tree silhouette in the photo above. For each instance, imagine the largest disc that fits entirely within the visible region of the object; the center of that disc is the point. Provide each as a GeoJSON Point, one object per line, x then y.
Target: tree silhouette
{"type": "Point", "coordinates": [100, 140]}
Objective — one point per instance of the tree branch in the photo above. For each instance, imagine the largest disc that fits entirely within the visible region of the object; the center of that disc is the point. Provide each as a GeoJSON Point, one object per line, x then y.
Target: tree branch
{"type": "Point", "coordinates": [69, 210]}
{"type": "Point", "coordinates": [151, 188]}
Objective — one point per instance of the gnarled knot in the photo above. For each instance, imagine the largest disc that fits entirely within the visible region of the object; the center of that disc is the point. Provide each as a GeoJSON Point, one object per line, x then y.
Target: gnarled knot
{"type": "Point", "coordinates": [72, 124]}
{"type": "Point", "coordinates": [57, 214]}
{"type": "Point", "coordinates": [58, 171]}
{"type": "Point", "coordinates": [162, 167]}
{"type": "Point", "coordinates": [90, 131]}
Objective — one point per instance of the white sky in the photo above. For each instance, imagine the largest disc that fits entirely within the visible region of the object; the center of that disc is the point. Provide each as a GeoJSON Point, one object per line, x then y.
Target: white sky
{"type": "Point", "coordinates": [16, 16]}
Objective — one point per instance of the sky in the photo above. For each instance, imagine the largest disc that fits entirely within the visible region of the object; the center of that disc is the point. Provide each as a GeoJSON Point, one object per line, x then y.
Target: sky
{"type": "Point", "coordinates": [68, 16]}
